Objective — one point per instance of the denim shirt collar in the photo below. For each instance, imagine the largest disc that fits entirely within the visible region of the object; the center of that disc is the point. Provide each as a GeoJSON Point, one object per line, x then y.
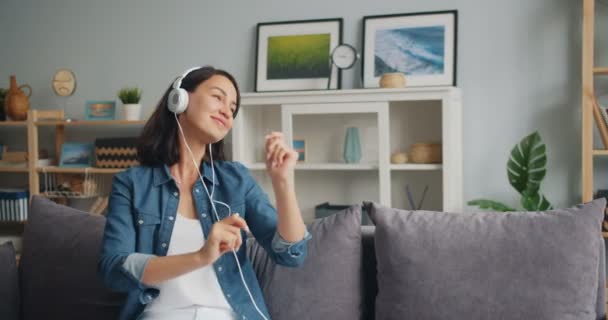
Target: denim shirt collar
{"type": "Point", "coordinates": [162, 174]}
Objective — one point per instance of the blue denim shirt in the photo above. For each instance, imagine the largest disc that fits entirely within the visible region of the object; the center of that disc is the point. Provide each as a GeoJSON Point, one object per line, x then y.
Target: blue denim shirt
{"type": "Point", "coordinates": [141, 212]}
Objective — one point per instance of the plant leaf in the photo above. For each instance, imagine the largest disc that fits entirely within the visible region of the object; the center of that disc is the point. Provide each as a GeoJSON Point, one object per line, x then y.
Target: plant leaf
{"type": "Point", "coordinates": [535, 202]}
{"type": "Point", "coordinates": [526, 167]}
{"type": "Point", "coordinates": [490, 204]}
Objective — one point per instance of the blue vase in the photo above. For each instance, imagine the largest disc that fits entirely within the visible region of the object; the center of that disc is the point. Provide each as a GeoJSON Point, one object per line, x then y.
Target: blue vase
{"type": "Point", "coordinates": [352, 145]}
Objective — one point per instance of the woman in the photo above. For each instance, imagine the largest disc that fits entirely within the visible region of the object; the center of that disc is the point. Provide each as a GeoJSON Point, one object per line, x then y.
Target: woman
{"type": "Point", "coordinates": [178, 254]}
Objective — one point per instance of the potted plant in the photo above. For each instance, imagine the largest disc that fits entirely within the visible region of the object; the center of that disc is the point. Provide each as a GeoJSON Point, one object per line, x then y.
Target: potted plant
{"type": "Point", "coordinates": [130, 98]}
{"type": "Point", "coordinates": [526, 169]}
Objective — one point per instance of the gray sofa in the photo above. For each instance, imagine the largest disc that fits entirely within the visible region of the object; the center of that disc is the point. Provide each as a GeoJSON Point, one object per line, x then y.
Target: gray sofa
{"type": "Point", "coordinates": [58, 279]}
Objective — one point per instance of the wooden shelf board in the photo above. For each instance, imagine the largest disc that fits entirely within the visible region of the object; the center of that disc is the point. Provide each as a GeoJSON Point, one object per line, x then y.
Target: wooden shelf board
{"type": "Point", "coordinates": [13, 223]}
{"type": "Point", "coordinates": [322, 166]}
{"type": "Point", "coordinates": [13, 123]}
{"type": "Point", "coordinates": [13, 169]}
{"type": "Point", "coordinates": [416, 166]}
{"type": "Point", "coordinates": [600, 152]}
{"type": "Point", "coordinates": [601, 71]}
{"type": "Point", "coordinates": [88, 123]}
{"type": "Point", "coordinates": [55, 169]}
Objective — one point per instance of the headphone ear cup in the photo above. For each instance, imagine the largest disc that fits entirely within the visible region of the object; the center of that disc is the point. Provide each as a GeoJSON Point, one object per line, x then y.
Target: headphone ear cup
{"type": "Point", "coordinates": [177, 100]}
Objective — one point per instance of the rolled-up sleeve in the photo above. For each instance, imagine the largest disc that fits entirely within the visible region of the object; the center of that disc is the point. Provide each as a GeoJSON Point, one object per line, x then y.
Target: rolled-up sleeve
{"type": "Point", "coordinates": [262, 219]}
{"type": "Point", "coordinates": [120, 267]}
{"type": "Point", "coordinates": [294, 249]}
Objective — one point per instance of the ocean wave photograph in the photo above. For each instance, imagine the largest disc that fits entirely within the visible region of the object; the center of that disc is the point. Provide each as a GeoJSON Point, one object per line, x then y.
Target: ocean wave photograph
{"type": "Point", "coordinates": [413, 51]}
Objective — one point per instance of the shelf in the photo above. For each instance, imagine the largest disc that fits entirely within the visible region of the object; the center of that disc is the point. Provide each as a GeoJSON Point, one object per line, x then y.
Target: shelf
{"type": "Point", "coordinates": [321, 166]}
{"type": "Point", "coordinates": [14, 169]}
{"type": "Point", "coordinates": [601, 71]}
{"type": "Point", "coordinates": [13, 223]}
{"type": "Point", "coordinates": [13, 123]}
{"type": "Point", "coordinates": [76, 123]}
{"type": "Point", "coordinates": [55, 169]}
{"type": "Point", "coordinates": [416, 166]}
{"type": "Point", "coordinates": [600, 152]}
{"type": "Point", "coordinates": [347, 95]}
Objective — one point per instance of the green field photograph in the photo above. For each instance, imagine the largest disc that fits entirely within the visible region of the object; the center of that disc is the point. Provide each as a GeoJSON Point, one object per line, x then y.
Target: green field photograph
{"type": "Point", "coordinates": [298, 56]}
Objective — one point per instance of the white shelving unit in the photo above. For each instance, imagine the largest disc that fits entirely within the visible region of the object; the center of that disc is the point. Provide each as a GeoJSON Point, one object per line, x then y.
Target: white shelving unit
{"type": "Point", "coordinates": [389, 120]}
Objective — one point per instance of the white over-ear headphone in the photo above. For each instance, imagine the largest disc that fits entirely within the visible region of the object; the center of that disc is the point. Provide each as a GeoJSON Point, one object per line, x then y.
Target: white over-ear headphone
{"type": "Point", "coordinates": [177, 100]}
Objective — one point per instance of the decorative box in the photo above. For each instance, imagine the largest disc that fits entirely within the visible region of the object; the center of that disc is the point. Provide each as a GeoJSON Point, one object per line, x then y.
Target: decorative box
{"type": "Point", "coordinates": [116, 152]}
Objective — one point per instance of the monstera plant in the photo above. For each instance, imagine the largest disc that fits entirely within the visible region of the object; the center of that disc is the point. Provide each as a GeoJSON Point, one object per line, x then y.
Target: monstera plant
{"type": "Point", "coordinates": [526, 169]}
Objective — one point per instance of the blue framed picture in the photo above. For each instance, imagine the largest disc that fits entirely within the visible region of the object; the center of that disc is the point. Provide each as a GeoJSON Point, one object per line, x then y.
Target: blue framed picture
{"type": "Point", "coordinates": [422, 46]}
{"type": "Point", "coordinates": [100, 110]}
{"type": "Point", "coordinates": [76, 155]}
{"type": "Point", "coordinates": [299, 145]}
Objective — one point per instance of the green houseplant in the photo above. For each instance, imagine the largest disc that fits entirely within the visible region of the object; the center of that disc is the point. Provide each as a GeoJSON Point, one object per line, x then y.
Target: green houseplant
{"type": "Point", "coordinates": [526, 169]}
{"type": "Point", "coordinates": [130, 98]}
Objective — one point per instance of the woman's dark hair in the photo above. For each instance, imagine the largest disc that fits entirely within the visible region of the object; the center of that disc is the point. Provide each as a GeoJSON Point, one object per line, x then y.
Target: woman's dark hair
{"type": "Point", "coordinates": [158, 142]}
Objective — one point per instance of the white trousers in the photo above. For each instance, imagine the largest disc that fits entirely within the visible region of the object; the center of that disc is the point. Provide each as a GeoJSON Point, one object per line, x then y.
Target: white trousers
{"type": "Point", "coordinates": [189, 313]}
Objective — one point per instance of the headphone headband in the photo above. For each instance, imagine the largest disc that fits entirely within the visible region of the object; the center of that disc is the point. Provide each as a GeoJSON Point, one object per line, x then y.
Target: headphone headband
{"type": "Point", "coordinates": [178, 82]}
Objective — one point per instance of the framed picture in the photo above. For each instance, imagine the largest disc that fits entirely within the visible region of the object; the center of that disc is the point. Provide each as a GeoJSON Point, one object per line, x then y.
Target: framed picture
{"type": "Point", "coordinates": [76, 155]}
{"type": "Point", "coordinates": [299, 145]}
{"type": "Point", "coordinates": [294, 55]}
{"type": "Point", "coordinates": [100, 110]}
{"type": "Point", "coordinates": [420, 45]}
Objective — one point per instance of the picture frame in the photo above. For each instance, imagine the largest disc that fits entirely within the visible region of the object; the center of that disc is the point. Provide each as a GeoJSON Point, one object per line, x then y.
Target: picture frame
{"type": "Point", "coordinates": [100, 110]}
{"type": "Point", "coordinates": [295, 55]}
{"type": "Point", "coordinates": [77, 155]}
{"type": "Point", "coordinates": [421, 45]}
{"type": "Point", "coordinates": [299, 145]}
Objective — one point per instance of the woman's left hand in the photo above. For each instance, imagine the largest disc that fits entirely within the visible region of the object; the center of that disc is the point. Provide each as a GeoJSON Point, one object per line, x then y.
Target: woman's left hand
{"type": "Point", "coordinates": [280, 158]}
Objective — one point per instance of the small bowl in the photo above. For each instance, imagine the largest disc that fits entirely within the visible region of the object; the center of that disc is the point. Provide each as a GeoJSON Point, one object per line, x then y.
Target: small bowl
{"type": "Point", "coordinates": [392, 80]}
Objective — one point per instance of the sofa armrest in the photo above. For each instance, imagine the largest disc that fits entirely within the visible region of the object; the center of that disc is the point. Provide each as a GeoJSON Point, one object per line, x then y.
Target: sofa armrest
{"type": "Point", "coordinates": [9, 283]}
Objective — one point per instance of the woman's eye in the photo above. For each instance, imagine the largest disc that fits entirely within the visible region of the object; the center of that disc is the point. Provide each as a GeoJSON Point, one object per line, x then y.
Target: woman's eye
{"type": "Point", "coordinates": [217, 97]}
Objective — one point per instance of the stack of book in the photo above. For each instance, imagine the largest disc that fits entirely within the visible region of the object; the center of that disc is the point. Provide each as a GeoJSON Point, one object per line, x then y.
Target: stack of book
{"type": "Point", "coordinates": [600, 114]}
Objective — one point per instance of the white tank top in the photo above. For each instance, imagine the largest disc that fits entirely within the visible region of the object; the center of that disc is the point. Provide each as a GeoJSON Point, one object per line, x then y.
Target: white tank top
{"type": "Point", "coordinates": [198, 288]}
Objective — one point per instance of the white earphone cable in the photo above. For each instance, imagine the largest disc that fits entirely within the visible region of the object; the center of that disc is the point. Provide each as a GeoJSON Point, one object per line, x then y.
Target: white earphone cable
{"type": "Point", "coordinates": [210, 195]}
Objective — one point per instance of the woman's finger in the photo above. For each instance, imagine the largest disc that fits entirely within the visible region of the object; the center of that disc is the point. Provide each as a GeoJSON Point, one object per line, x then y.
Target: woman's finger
{"type": "Point", "coordinates": [272, 148]}
{"type": "Point", "coordinates": [237, 221]}
{"type": "Point", "coordinates": [280, 155]}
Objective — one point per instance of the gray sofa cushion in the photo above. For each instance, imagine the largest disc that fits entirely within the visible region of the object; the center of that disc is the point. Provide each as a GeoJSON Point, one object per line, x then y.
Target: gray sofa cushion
{"type": "Point", "coordinates": [58, 265]}
{"type": "Point", "coordinates": [328, 285]}
{"type": "Point", "coordinates": [9, 283]}
{"type": "Point", "coordinates": [487, 265]}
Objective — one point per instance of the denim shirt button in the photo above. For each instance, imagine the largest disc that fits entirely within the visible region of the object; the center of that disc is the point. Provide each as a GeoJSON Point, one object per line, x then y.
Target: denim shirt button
{"type": "Point", "coordinates": [164, 245]}
{"type": "Point", "coordinates": [197, 191]}
{"type": "Point", "coordinates": [171, 218]}
{"type": "Point", "coordinates": [220, 268]}
{"type": "Point", "coordinates": [175, 194]}
{"type": "Point", "coordinates": [228, 296]}
{"type": "Point", "coordinates": [204, 215]}
{"type": "Point", "coordinates": [140, 221]}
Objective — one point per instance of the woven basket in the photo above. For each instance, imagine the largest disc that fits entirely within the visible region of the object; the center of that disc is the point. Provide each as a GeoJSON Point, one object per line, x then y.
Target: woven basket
{"type": "Point", "coordinates": [425, 153]}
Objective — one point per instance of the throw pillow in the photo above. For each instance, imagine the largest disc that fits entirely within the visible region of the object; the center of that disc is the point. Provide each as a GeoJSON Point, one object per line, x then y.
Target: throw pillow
{"type": "Point", "coordinates": [489, 265]}
{"type": "Point", "coordinates": [328, 284]}
{"type": "Point", "coordinates": [58, 265]}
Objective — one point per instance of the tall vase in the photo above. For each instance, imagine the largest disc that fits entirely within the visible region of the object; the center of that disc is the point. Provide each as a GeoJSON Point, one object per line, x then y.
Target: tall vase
{"type": "Point", "coordinates": [352, 145]}
{"type": "Point", "coordinates": [16, 101]}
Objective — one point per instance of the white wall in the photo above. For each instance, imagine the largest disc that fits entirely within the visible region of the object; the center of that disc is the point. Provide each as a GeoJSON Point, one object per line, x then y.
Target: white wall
{"type": "Point", "coordinates": [518, 63]}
